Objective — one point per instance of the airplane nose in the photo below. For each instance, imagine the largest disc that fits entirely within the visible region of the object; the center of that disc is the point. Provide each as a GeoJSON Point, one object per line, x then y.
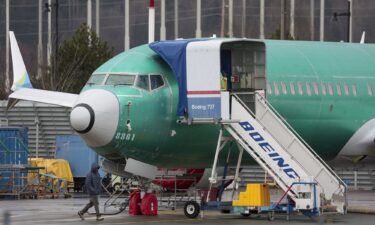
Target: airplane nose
{"type": "Point", "coordinates": [82, 118]}
{"type": "Point", "coordinates": [95, 117]}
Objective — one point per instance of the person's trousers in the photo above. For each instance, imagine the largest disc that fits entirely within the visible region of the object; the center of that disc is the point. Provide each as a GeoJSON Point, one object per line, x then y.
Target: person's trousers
{"type": "Point", "coordinates": [94, 201]}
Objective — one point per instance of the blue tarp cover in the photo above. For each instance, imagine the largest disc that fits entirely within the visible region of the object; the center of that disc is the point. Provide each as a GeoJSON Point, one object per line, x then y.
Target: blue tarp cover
{"type": "Point", "coordinates": [174, 54]}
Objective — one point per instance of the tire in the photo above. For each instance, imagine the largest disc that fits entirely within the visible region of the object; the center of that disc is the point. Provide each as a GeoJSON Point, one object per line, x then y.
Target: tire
{"type": "Point", "coordinates": [116, 188]}
{"type": "Point", "coordinates": [271, 216]}
{"type": "Point", "coordinates": [191, 209]}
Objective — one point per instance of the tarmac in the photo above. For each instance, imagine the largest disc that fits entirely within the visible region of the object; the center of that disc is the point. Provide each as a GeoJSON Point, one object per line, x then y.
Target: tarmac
{"type": "Point", "coordinates": [64, 211]}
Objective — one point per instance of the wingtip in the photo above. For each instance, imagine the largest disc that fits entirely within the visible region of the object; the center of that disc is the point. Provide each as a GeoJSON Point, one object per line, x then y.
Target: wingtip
{"type": "Point", "coordinates": [20, 75]}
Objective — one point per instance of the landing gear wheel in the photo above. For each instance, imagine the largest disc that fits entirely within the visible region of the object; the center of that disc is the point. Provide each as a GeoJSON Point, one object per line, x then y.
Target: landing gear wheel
{"type": "Point", "coordinates": [271, 216]}
{"type": "Point", "coordinates": [116, 188]}
{"type": "Point", "coordinates": [191, 209]}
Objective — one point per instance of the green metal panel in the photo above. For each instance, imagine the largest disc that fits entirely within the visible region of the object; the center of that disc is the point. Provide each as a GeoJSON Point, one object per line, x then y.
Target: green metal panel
{"type": "Point", "coordinates": [325, 122]}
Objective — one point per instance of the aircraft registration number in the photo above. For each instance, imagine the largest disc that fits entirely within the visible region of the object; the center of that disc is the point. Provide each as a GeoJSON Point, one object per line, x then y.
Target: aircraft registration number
{"type": "Point", "coordinates": [125, 136]}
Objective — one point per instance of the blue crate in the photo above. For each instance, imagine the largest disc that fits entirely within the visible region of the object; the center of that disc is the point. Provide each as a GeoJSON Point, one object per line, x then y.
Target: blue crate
{"type": "Point", "coordinates": [13, 145]}
{"type": "Point", "coordinates": [13, 151]}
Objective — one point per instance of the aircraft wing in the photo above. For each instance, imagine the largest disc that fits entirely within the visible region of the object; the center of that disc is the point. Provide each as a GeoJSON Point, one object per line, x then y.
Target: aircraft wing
{"type": "Point", "coordinates": [22, 88]}
{"type": "Point", "coordinates": [43, 96]}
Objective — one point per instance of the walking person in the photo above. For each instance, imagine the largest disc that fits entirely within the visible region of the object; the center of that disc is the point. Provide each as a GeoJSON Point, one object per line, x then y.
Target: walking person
{"type": "Point", "coordinates": [93, 188]}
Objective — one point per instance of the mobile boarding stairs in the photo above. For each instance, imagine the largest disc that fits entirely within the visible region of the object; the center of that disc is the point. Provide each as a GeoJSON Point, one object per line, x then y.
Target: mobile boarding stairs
{"type": "Point", "coordinates": [275, 146]}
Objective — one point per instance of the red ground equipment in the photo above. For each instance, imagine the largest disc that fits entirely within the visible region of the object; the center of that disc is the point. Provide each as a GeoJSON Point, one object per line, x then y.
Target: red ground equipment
{"type": "Point", "coordinates": [149, 205]}
{"type": "Point", "coordinates": [135, 203]}
{"type": "Point", "coordinates": [169, 183]}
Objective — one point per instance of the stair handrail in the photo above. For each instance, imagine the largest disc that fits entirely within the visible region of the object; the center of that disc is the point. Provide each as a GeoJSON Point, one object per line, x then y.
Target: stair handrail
{"type": "Point", "coordinates": [265, 166]}
{"type": "Point", "coordinates": [253, 115]}
{"type": "Point", "coordinates": [266, 102]}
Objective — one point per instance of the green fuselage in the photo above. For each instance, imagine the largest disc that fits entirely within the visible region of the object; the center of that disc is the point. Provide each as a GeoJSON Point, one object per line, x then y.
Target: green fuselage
{"type": "Point", "coordinates": [326, 122]}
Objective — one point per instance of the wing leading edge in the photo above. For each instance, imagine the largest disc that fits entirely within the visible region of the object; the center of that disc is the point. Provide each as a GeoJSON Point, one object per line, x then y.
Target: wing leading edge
{"type": "Point", "coordinates": [43, 96]}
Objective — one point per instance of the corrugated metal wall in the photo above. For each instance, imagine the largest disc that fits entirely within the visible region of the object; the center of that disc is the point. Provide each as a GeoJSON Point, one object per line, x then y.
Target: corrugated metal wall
{"type": "Point", "coordinates": [53, 120]}
{"type": "Point", "coordinates": [356, 179]}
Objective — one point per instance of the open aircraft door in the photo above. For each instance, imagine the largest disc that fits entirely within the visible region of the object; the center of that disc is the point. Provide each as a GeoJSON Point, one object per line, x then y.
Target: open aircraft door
{"type": "Point", "coordinates": [217, 67]}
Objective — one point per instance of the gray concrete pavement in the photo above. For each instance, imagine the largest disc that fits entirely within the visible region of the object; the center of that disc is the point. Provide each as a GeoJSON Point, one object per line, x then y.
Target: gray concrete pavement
{"type": "Point", "coordinates": [64, 211]}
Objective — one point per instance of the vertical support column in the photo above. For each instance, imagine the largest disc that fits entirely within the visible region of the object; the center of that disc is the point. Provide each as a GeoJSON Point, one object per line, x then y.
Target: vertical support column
{"type": "Point", "coordinates": [198, 31]}
{"type": "Point", "coordinates": [322, 10]}
{"type": "Point", "coordinates": [222, 24]}
{"type": "Point", "coordinates": [243, 28]}
{"type": "Point", "coordinates": [97, 17]}
{"type": "Point", "coordinates": [312, 21]}
{"type": "Point", "coordinates": [282, 20]}
{"type": "Point", "coordinates": [53, 80]}
{"type": "Point", "coordinates": [350, 21]}
{"type": "Point", "coordinates": [36, 135]}
{"type": "Point", "coordinates": [292, 16]}
{"type": "Point", "coordinates": [160, 197]}
{"type": "Point", "coordinates": [40, 44]}
{"type": "Point", "coordinates": [237, 170]}
{"type": "Point", "coordinates": [7, 80]}
{"type": "Point", "coordinates": [127, 25]}
{"type": "Point", "coordinates": [162, 21]}
{"type": "Point", "coordinates": [261, 19]}
{"type": "Point", "coordinates": [230, 19]}
{"type": "Point", "coordinates": [89, 13]}
{"type": "Point", "coordinates": [355, 180]}
{"type": "Point", "coordinates": [151, 21]}
{"type": "Point", "coordinates": [213, 177]}
{"type": "Point", "coordinates": [175, 191]}
{"type": "Point", "coordinates": [175, 19]}
{"type": "Point", "coordinates": [49, 39]}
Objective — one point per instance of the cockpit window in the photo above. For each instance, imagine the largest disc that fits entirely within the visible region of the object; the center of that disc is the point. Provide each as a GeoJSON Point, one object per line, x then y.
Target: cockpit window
{"type": "Point", "coordinates": [142, 82]}
{"type": "Point", "coordinates": [120, 79]}
{"type": "Point", "coordinates": [96, 79]}
{"type": "Point", "coordinates": [156, 81]}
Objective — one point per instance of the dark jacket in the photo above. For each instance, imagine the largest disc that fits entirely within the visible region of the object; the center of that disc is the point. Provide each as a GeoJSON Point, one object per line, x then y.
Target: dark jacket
{"type": "Point", "coordinates": [93, 181]}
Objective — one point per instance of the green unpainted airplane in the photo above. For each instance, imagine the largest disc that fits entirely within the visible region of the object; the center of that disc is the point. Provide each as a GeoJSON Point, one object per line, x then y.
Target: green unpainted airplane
{"type": "Point", "coordinates": [132, 105]}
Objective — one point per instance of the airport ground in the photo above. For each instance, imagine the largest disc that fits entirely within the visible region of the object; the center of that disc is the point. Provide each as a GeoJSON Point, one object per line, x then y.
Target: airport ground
{"type": "Point", "coordinates": [64, 211]}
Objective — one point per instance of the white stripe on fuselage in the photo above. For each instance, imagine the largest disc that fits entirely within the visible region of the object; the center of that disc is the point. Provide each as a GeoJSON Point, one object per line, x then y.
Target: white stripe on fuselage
{"type": "Point", "coordinates": [135, 96]}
